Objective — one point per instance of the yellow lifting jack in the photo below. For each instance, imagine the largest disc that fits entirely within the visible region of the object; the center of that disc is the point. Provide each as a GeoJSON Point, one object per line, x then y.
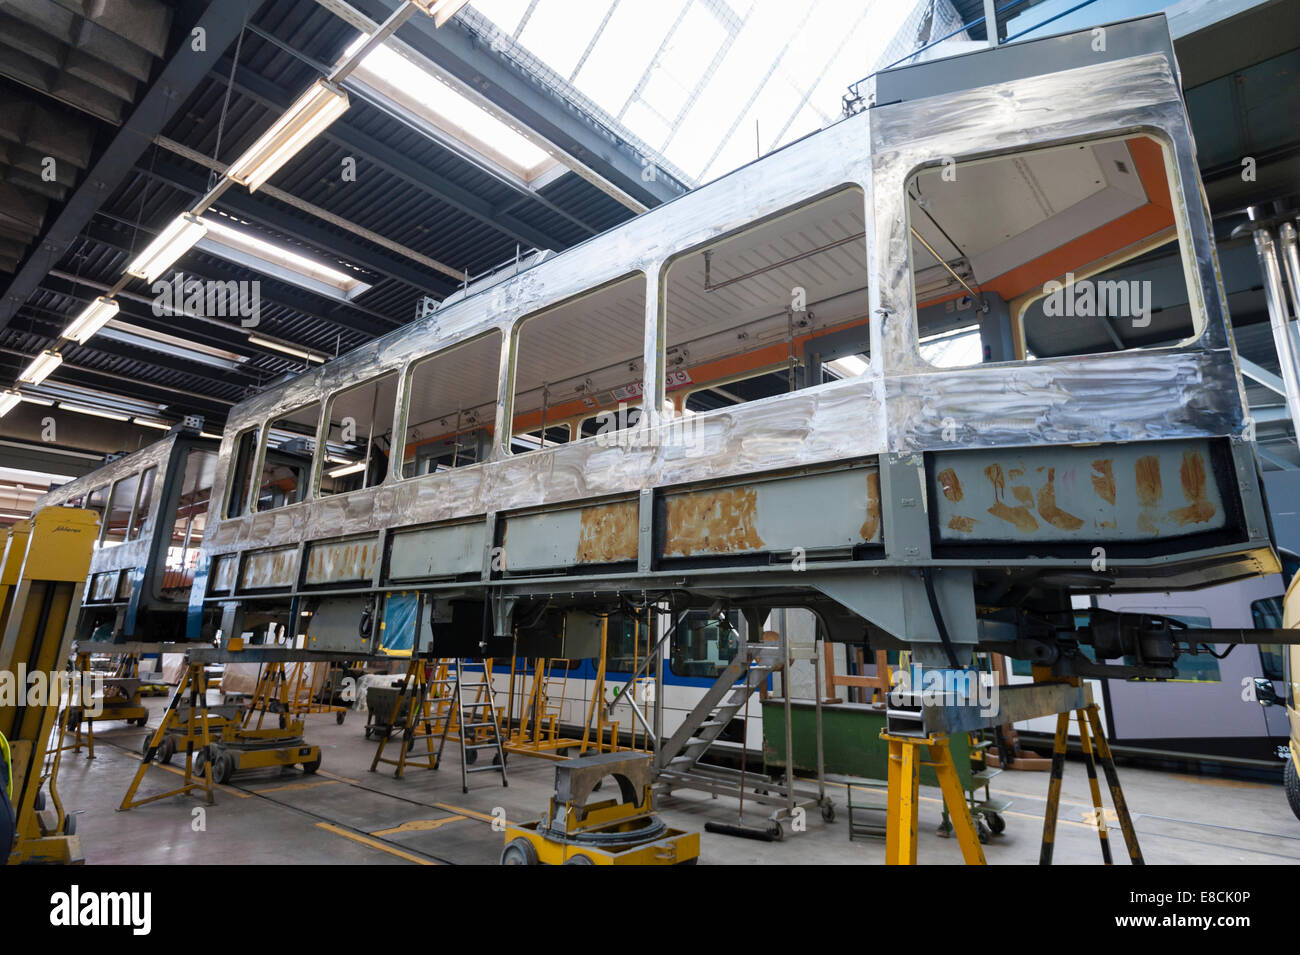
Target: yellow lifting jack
{"type": "Point", "coordinates": [621, 831]}
{"type": "Point", "coordinates": [42, 575]}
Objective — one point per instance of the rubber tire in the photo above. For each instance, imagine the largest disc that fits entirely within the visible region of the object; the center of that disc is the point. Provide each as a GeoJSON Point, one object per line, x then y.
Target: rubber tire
{"type": "Point", "coordinates": [1293, 786]}
{"type": "Point", "coordinates": [578, 860]}
{"type": "Point", "coordinates": [201, 762]}
{"type": "Point", "coordinates": [144, 744]}
{"type": "Point", "coordinates": [311, 767]}
{"type": "Point", "coordinates": [471, 757]}
{"type": "Point", "coordinates": [166, 749]}
{"type": "Point", "coordinates": [339, 716]}
{"type": "Point", "coordinates": [983, 831]}
{"type": "Point", "coordinates": [777, 832]}
{"type": "Point", "coordinates": [519, 852]}
{"type": "Point", "coordinates": [997, 823]}
{"type": "Point", "coordinates": [69, 825]}
{"type": "Point", "coordinates": [223, 768]}
{"type": "Point", "coordinates": [140, 720]}
{"type": "Point", "coordinates": [828, 813]}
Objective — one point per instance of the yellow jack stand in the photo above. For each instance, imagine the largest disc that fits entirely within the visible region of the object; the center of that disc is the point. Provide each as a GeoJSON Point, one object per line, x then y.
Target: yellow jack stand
{"type": "Point", "coordinates": [904, 777]}
{"type": "Point", "coordinates": [1090, 733]}
{"type": "Point", "coordinates": [196, 729]}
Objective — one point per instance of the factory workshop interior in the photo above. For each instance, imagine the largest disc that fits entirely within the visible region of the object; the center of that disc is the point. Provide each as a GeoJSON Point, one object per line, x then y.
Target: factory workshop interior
{"type": "Point", "coordinates": [425, 426]}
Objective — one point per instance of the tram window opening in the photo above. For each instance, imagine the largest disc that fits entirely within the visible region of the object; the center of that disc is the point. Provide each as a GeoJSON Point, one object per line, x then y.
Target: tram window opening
{"type": "Point", "coordinates": [451, 407]}
{"type": "Point", "coordinates": [359, 436]}
{"type": "Point", "coordinates": [627, 642]}
{"type": "Point", "coordinates": [241, 472]}
{"type": "Point", "coordinates": [581, 357]}
{"type": "Point", "coordinates": [140, 521]}
{"type": "Point", "coordinates": [775, 308]}
{"type": "Point", "coordinates": [1046, 253]}
{"type": "Point", "coordinates": [190, 522]}
{"type": "Point", "coordinates": [120, 504]}
{"type": "Point", "coordinates": [287, 458]}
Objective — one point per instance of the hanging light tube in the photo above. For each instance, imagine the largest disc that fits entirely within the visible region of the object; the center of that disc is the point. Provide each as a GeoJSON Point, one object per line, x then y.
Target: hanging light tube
{"type": "Point", "coordinates": [42, 367]}
{"type": "Point", "coordinates": [302, 122]}
{"type": "Point", "coordinates": [95, 317]}
{"type": "Point", "coordinates": [169, 245]}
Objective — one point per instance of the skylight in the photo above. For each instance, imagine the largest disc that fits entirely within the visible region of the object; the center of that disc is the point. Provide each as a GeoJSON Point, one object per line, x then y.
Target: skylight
{"type": "Point", "coordinates": [280, 261]}
{"type": "Point", "coordinates": [711, 84]}
{"type": "Point", "coordinates": [429, 98]}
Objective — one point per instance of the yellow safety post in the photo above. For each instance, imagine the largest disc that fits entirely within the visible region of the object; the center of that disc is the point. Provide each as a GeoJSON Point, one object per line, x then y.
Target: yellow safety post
{"type": "Point", "coordinates": [42, 575]}
{"type": "Point", "coordinates": [902, 802]}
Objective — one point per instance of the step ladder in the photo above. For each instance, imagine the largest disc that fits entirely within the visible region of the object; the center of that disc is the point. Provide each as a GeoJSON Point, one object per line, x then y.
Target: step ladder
{"type": "Point", "coordinates": [744, 675]}
{"type": "Point", "coordinates": [478, 726]}
{"type": "Point", "coordinates": [424, 710]}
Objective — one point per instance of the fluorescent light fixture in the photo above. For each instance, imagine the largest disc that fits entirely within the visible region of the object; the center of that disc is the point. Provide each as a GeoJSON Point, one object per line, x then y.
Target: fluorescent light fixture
{"type": "Point", "coordinates": [169, 245]}
{"type": "Point", "coordinates": [348, 469]}
{"type": "Point", "coordinates": [172, 345]}
{"type": "Point", "coordinates": [287, 348]}
{"type": "Point", "coordinates": [42, 367]}
{"type": "Point", "coordinates": [462, 124]}
{"type": "Point", "coordinates": [91, 320]}
{"type": "Point", "coordinates": [151, 423]}
{"type": "Point", "coordinates": [278, 261]}
{"type": "Point", "coordinates": [33, 399]}
{"type": "Point", "coordinates": [96, 412]}
{"type": "Point", "coordinates": [302, 122]}
{"type": "Point", "coordinates": [59, 391]}
{"type": "Point", "coordinates": [440, 10]}
{"type": "Point", "coordinates": [8, 401]}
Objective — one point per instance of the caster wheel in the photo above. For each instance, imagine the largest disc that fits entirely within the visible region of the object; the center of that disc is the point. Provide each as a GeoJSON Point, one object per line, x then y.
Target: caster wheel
{"type": "Point", "coordinates": [339, 717]}
{"type": "Point", "coordinates": [69, 825]}
{"type": "Point", "coordinates": [166, 750]}
{"type": "Point", "coordinates": [144, 745]}
{"type": "Point", "coordinates": [200, 762]}
{"type": "Point", "coordinates": [828, 813]}
{"type": "Point", "coordinates": [140, 721]}
{"type": "Point", "coordinates": [369, 734]}
{"type": "Point", "coordinates": [310, 768]}
{"type": "Point", "coordinates": [777, 831]}
{"type": "Point", "coordinates": [499, 760]}
{"type": "Point", "coordinates": [471, 757]}
{"type": "Point", "coordinates": [519, 852]}
{"type": "Point", "coordinates": [983, 830]}
{"type": "Point", "coordinates": [223, 768]}
{"type": "Point", "coordinates": [578, 860]}
{"type": "Point", "coordinates": [997, 823]}
{"type": "Point", "coordinates": [283, 721]}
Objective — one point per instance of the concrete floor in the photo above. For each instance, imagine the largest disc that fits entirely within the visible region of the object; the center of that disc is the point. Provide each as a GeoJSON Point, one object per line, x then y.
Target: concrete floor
{"type": "Point", "coordinates": [345, 814]}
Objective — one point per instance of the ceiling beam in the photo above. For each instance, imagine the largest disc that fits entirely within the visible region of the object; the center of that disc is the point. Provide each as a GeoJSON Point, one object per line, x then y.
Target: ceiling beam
{"type": "Point", "coordinates": [222, 20]}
